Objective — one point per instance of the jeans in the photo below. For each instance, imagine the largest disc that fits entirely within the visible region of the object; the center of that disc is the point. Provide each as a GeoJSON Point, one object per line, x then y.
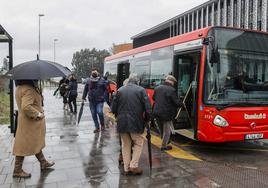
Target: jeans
{"type": "Point", "coordinates": [97, 111]}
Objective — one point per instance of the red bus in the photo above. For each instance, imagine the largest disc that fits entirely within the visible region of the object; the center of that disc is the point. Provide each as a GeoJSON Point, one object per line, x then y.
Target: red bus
{"type": "Point", "coordinates": [222, 78]}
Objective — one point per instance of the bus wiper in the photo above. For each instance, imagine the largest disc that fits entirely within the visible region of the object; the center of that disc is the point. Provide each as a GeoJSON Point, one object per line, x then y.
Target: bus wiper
{"type": "Point", "coordinates": [235, 104]}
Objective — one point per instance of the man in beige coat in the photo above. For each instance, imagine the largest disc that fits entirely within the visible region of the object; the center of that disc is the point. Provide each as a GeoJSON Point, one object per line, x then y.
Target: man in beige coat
{"type": "Point", "coordinates": [31, 130]}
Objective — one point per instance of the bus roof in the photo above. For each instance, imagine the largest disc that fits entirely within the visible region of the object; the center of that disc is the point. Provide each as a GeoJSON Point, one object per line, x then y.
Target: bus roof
{"type": "Point", "coordinates": [201, 33]}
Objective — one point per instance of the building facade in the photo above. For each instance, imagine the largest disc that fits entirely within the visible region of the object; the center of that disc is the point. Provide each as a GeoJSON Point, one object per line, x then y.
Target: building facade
{"type": "Point", "coordinates": [247, 14]}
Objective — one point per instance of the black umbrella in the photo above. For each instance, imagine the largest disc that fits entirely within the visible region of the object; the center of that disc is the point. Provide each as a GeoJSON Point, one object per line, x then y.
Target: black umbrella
{"type": "Point", "coordinates": [148, 136]}
{"type": "Point", "coordinates": [80, 113]}
{"type": "Point", "coordinates": [37, 70]}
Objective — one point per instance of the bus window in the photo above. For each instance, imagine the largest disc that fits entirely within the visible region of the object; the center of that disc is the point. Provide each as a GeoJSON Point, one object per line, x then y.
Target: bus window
{"type": "Point", "coordinates": [142, 69]}
{"type": "Point", "coordinates": [161, 65]}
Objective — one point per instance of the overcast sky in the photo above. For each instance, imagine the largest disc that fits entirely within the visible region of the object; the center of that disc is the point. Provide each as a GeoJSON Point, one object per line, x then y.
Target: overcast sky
{"type": "Point", "coordinates": [79, 24]}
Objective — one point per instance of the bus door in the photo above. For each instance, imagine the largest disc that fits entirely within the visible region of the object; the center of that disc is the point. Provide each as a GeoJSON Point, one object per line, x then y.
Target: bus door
{"type": "Point", "coordinates": [122, 73]}
{"type": "Point", "coordinates": [186, 73]}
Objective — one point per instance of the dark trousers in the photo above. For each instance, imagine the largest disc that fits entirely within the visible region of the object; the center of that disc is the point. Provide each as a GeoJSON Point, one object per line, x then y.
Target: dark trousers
{"type": "Point", "coordinates": [65, 100]}
{"type": "Point", "coordinates": [72, 104]}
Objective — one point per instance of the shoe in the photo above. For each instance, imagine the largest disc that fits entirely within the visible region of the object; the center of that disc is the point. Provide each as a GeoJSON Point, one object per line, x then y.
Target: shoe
{"type": "Point", "coordinates": [96, 131]}
{"type": "Point", "coordinates": [18, 172]}
{"type": "Point", "coordinates": [166, 148]}
{"type": "Point", "coordinates": [103, 128]}
{"type": "Point", "coordinates": [21, 174]}
{"type": "Point", "coordinates": [126, 173]}
{"type": "Point", "coordinates": [136, 171]}
{"type": "Point", "coordinates": [44, 164]}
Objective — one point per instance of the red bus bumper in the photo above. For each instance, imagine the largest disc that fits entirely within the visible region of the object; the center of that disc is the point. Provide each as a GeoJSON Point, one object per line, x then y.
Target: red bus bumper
{"type": "Point", "coordinates": [218, 134]}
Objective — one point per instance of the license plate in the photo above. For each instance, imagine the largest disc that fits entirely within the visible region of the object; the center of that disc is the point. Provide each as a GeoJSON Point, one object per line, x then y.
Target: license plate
{"type": "Point", "coordinates": [253, 136]}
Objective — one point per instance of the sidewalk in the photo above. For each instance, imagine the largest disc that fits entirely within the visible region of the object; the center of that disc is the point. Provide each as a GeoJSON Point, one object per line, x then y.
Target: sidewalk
{"type": "Point", "coordinates": [85, 159]}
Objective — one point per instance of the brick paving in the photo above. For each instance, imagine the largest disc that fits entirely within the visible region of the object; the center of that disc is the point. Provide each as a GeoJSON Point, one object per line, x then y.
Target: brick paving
{"type": "Point", "coordinates": [85, 159]}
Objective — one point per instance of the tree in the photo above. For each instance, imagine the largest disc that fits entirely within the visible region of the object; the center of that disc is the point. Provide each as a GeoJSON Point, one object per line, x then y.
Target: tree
{"type": "Point", "coordinates": [86, 60]}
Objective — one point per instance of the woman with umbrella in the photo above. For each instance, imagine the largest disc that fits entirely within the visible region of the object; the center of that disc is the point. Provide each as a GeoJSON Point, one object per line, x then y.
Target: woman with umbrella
{"type": "Point", "coordinates": [30, 135]}
{"type": "Point", "coordinates": [31, 130]}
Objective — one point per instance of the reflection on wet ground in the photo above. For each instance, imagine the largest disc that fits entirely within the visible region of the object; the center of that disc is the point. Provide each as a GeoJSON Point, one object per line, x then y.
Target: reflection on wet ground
{"type": "Point", "coordinates": [85, 159]}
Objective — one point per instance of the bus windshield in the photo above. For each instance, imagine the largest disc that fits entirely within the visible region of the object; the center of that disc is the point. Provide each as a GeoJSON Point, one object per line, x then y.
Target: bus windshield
{"type": "Point", "coordinates": [240, 73]}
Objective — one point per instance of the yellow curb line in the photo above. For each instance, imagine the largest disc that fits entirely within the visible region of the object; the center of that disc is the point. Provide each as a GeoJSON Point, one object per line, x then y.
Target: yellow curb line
{"type": "Point", "coordinates": [175, 152]}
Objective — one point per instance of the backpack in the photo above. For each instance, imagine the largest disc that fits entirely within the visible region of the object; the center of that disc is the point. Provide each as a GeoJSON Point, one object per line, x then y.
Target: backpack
{"type": "Point", "coordinates": [62, 89]}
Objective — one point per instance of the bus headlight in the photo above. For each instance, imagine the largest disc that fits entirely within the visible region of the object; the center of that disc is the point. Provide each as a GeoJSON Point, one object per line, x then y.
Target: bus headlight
{"type": "Point", "coordinates": [220, 121]}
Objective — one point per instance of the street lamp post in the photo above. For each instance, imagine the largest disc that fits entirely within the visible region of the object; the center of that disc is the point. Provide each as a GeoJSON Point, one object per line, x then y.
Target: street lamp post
{"type": "Point", "coordinates": [39, 53]}
{"type": "Point", "coordinates": [55, 40]}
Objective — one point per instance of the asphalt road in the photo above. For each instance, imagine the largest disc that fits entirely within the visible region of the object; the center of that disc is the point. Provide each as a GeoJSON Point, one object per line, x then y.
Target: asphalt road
{"type": "Point", "coordinates": [245, 154]}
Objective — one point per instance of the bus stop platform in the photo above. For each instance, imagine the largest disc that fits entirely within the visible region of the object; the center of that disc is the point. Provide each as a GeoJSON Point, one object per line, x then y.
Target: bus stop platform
{"type": "Point", "coordinates": [85, 159]}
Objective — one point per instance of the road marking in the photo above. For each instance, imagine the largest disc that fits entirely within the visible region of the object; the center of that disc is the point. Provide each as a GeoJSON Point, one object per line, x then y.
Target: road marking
{"type": "Point", "coordinates": [224, 148]}
{"type": "Point", "coordinates": [175, 152]}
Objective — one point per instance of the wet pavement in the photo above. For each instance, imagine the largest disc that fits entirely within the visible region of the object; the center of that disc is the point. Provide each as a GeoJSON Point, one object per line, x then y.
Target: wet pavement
{"type": "Point", "coordinates": [85, 159]}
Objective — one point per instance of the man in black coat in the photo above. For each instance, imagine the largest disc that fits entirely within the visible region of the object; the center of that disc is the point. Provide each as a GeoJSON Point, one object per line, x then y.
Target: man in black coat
{"type": "Point", "coordinates": [132, 108]}
{"type": "Point", "coordinates": [166, 103]}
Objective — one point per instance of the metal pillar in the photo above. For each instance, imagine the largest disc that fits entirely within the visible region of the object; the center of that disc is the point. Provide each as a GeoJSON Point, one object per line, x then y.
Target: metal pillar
{"type": "Point", "coordinates": [212, 14]}
{"type": "Point", "coordinates": [202, 18]}
{"type": "Point", "coordinates": [238, 13]}
{"type": "Point", "coordinates": [188, 23]}
{"type": "Point", "coordinates": [224, 22]}
{"type": "Point", "coordinates": [11, 88]}
{"type": "Point", "coordinates": [232, 13]}
{"type": "Point", "coordinates": [184, 24]}
{"type": "Point", "coordinates": [264, 16]}
{"type": "Point", "coordinates": [197, 19]}
{"type": "Point", "coordinates": [255, 14]}
{"type": "Point", "coordinates": [170, 34]}
{"type": "Point", "coordinates": [207, 14]}
{"type": "Point", "coordinates": [219, 13]}
{"type": "Point", "coordinates": [246, 13]}
{"type": "Point", "coordinates": [180, 26]}
{"type": "Point", "coordinates": [193, 21]}
{"type": "Point", "coordinates": [177, 27]}
{"type": "Point", "coordinates": [174, 24]}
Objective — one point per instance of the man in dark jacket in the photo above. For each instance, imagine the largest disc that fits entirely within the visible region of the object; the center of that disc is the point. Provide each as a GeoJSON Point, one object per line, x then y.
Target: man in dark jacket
{"type": "Point", "coordinates": [166, 103]}
{"type": "Point", "coordinates": [131, 107]}
{"type": "Point", "coordinates": [95, 88]}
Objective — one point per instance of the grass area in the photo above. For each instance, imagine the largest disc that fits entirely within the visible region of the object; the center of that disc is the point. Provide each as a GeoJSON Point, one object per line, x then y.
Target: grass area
{"type": "Point", "coordinates": [4, 108]}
